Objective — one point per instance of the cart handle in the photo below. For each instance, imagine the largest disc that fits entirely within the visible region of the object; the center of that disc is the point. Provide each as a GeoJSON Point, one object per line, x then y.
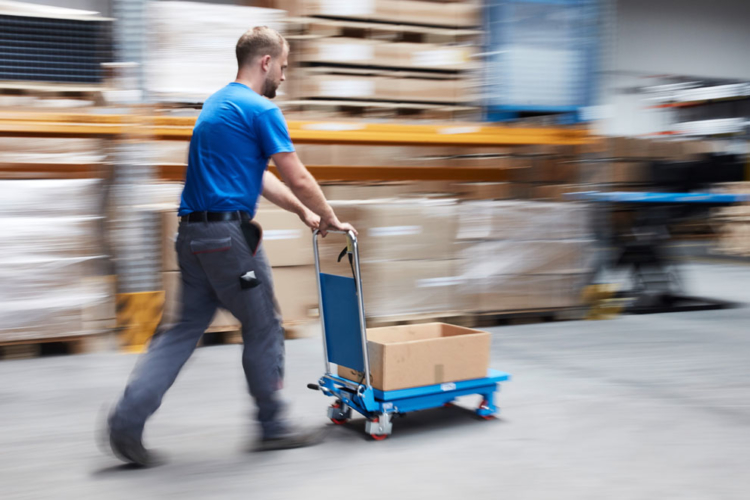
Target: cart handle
{"type": "Point", "coordinates": [353, 248]}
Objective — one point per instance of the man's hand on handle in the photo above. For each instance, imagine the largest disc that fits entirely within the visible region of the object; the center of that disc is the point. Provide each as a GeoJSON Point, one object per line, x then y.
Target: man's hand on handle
{"type": "Point", "coordinates": [310, 219]}
{"type": "Point", "coordinates": [335, 225]}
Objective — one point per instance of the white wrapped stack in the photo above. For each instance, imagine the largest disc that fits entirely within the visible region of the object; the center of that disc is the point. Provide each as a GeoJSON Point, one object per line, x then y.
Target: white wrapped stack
{"type": "Point", "coordinates": [523, 255]}
{"type": "Point", "coordinates": [190, 54]}
{"type": "Point", "coordinates": [51, 263]}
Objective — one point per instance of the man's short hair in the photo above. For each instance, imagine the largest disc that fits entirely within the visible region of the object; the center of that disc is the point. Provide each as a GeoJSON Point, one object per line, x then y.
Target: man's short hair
{"type": "Point", "coordinates": [259, 41]}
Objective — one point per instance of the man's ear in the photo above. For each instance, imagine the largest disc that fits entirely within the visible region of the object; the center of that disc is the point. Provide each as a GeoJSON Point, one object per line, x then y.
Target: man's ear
{"type": "Point", "coordinates": [265, 62]}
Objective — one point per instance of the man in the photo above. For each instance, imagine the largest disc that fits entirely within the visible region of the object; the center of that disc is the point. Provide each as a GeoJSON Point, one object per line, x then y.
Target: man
{"type": "Point", "coordinates": [218, 249]}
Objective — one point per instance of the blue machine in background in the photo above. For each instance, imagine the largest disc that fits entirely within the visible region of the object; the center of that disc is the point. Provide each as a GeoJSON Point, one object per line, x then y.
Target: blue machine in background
{"type": "Point", "coordinates": [541, 58]}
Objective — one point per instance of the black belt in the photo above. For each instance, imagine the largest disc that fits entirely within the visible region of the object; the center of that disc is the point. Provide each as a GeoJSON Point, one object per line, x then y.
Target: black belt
{"type": "Point", "coordinates": [215, 216]}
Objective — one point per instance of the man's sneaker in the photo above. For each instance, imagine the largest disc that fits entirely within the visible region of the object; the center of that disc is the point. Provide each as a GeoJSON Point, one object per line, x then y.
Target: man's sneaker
{"type": "Point", "coordinates": [131, 450]}
{"type": "Point", "coordinates": [297, 438]}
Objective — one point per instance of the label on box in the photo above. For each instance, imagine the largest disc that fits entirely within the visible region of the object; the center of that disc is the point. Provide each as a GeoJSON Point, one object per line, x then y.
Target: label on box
{"type": "Point", "coordinates": [347, 88]}
{"type": "Point", "coordinates": [340, 52]}
{"type": "Point", "coordinates": [437, 57]}
{"type": "Point", "coordinates": [347, 7]}
{"type": "Point", "coordinates": [282, 234]}
{"type": "Point", "coordinates": [395, 231]}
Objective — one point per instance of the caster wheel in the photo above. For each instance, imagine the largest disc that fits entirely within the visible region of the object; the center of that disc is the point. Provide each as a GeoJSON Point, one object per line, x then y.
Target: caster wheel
{"type": "Point", "coordinates": [448, 405]}
{"type": "Point", "coordinates": [338, 421]}
{"type": "Point", "coordinates": [379, 428]}
{"type": "Point", "coordinates": [484, 405]}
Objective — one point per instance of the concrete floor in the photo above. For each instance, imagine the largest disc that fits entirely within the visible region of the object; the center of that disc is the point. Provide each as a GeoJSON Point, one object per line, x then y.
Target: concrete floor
{"type": "Point", "coordinates": [642, 407]}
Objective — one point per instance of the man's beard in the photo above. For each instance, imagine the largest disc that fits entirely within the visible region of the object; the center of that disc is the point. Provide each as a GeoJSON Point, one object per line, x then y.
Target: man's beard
{"type": "Point", "coordinates": [269, 89]}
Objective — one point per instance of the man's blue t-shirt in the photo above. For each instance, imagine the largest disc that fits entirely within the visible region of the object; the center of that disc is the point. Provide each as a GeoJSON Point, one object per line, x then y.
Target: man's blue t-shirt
{"type": "Point", "coordinates": [236, 133]}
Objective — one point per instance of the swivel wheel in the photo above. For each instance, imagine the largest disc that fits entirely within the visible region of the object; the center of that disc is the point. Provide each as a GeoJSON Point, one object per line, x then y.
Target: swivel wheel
{"type": "Point", "coordinates": [339, 413]}
{"type": "Point", "coordinates": [380, 427]}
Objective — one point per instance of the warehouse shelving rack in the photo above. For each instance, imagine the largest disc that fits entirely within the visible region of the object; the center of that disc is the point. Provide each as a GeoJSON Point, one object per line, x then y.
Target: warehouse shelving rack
{"type": "Point", "coordinates": [138, 292]}
{"type": "Point", "coordinates": [156, 127]}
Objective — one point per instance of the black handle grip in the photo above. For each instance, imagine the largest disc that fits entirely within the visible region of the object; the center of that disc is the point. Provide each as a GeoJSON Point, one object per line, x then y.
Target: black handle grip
{"type": "Point", "coordinates": [314, 387]}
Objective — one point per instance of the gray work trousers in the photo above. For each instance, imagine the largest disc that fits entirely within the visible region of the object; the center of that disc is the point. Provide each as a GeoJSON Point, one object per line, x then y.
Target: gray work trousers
{"type": "Point", "coordinates": [212, 257]}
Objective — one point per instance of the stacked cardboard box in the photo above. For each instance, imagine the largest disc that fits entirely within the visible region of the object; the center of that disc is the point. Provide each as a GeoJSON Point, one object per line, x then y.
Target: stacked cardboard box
{"type": "Point", "coordinates": [385, 88]}
{"type": "Point", "coordinates": [733, 223]}
{"type": "Point", "coordinates": [522, 255]}
{"type": "Point", "coordinates": [447, 14]}
{"type": "Point", "coordinates": [54, 278]}
{"type": "Point", "coordinates": [410, 54]}
{"type": "Point", "coordinates": [407, 254]}
{"type": "Point", "coordinates": [623, 163]}
{"type": "Point", "coordinates": [380, 53]}
{"type": "Point", "coordinates": [288, 245]}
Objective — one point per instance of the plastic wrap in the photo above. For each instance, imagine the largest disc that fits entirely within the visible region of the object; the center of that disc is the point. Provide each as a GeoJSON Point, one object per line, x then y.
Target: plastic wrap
{"type": "Point", "coordinates": [191, 46]}
{"type": "Point", "coordinates": [521, 292]}
{"type": "Point", "coordinates": [486, 260]}
{"type": "Point", "coordinates": [50, 150]}
{"type": "Point", "coordinates": [398, 229]}
{"type": "Point", "coordinates": [50, 198]}
{"type": "Point", "coordinates": [522, 220]}
{"type": "Point", "coordinates": [58, 237]}
{"type": "Point", "coordinates": [523, 255]}
{"type": "Point", "coordinates": [51, 255]}
{"type": "Point", "coordinates": [424, 256]}
{"type": "Point", "coordinates": [409, 287]}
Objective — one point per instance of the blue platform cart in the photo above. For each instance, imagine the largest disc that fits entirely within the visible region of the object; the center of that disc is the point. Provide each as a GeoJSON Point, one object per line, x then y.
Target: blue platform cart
{"type": "Point", "coordinates": [342, 314]}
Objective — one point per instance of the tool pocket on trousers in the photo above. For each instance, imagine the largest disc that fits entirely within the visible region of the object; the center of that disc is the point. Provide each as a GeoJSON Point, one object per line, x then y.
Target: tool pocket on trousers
{"type": "Point", "coordinates": [198, 247]}
{"type": "Point", "coordinates": [218, 257]}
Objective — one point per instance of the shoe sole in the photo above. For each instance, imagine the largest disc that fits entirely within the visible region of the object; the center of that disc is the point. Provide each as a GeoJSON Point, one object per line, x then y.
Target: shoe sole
{"type": "Point", "coordinates": [281, 444]}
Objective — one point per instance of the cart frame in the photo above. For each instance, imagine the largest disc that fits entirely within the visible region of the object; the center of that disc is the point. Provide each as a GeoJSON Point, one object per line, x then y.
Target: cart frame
{"type": "Point", "coordinates": [341, 346]}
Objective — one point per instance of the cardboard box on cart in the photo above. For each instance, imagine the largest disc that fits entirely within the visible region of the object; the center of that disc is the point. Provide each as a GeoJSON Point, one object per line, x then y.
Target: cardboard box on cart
{"type": "Point", "coordinates": [425, 354]}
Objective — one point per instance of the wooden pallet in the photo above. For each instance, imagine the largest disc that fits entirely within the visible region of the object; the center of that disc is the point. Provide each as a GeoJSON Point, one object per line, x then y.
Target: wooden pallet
{"type": "Point", "coordinates": [32, 348]}
{"type": "Point", "coordinates": [316, 109]}
{"type": "Point", "coordinates": [305, 28]}
{"type": "Point", "coordinates": [292, 330]}
{"type": "Point", "coordinates": [482, 319]}
{"type": "Point", "coordinates": [523, 317]}
{"type": "Point", "coordinates": [221, 337]}
{"type": "Point", "coordinates": [39, 95]}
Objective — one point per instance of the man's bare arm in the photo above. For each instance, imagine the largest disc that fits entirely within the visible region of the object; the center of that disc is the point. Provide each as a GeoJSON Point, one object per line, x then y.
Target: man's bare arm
{"type": "Point", "coordinates": [304, 186]}
{"type": "Point", "coordinates": [277, 193]}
